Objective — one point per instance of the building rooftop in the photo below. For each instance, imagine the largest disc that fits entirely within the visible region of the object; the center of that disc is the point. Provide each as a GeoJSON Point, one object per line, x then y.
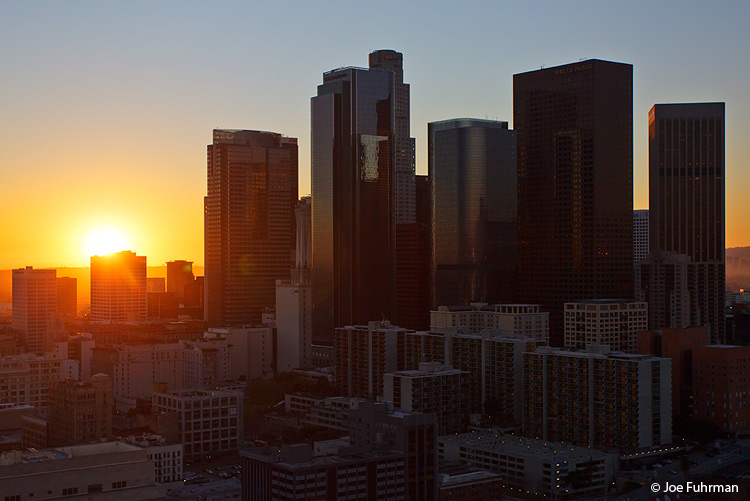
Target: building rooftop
{"type": "Point", "coordinates": [523, 446]}
{"type": "Point", "coordinates": [38, 455]}
{"type": "Point", "coordinates": [299, 456]}
{"type": "Point", "coordinates": [452, 474]}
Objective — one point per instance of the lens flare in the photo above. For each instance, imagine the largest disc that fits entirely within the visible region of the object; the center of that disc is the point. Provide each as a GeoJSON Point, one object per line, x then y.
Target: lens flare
{"type": "Point", "coordinates": [105, 240]}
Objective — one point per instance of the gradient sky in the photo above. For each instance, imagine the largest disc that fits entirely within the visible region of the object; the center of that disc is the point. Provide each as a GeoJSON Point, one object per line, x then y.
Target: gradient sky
{"type": "Point", "coordinates": [106, 108]}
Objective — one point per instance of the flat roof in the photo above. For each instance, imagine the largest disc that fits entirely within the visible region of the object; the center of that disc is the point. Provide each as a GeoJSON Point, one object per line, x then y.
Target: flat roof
{"type": "Point", "coordinates": [523, 446]}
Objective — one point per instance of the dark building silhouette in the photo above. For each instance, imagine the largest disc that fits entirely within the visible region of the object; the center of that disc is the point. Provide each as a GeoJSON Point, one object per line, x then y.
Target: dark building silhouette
{"type": "Point", "coordinates": [249, 223]}
{"type": "Point", "coordinates": [179, 276]}
{"type": "Point", "coordinates": [352, 199]}
{"type": "Point", "coordinates": [81, 412]}
{"type": "Point", "coordinates": [413, 261]}
{"type": "Point", "coordinates": [686, 200]}
{"type": "Point", "coordinates": [411, 307]}
{"type": "Point", "coordinates": [574, 125]}
{"type": "Point", "coordinates": [472, 172]}
{"type": "Point", "coordinates": [67, 296]}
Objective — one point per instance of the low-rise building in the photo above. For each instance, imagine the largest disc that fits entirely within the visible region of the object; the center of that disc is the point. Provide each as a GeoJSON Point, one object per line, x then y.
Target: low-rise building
{"type": "Point", "coordinates": [523, 320]}
{"type": "Point", "coordinates": [251, 350]}
{"type": "Point", "coordinates": [25, 379]}
{"type": "Point", "coordinates": [81, 412]}
{"type": "Point", "coordinates": [106, 471]}
{"type": "Point", "coordinates": [11, 414]}
{"type": "Point", "coordinates": [678, 345]}
{"type": "Point", "coordinates": [167, 458]}
{"type": "Point", "coordinates": [555, 470]}
{"type": "Point", "coordinates": [208, 421]}
{"type": "Point", "coordinates": [461, 482]}
{"type": "Point", "coordinates": [186, 364]}
{"type": "Point", "coordinates": [721, 379]}
{"type": "Point", "coordinates": [34, 432]}
{"type": "Point", "coordinates": [292, 473]}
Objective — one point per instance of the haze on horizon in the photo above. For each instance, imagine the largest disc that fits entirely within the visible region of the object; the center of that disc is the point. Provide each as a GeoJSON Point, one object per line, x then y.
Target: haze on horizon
{"type": "Point", "coordinates": [108, 108]}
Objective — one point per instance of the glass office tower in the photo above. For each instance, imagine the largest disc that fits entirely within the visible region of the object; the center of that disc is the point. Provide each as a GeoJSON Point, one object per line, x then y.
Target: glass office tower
{"type": "Point", "coordinates": [404, 192]}
{"type": "Point", "coordinates": [352, 199]}
{"type": "Point", "coordinates": [472, 171]}
{"type": "Point", "coordinates": [575, 185]}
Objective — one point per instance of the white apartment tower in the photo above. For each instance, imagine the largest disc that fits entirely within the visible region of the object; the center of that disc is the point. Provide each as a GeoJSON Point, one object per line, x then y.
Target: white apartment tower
{"type": "Point", "coordinates": [614, 322]}
{"type": "Point", "coordinates": [34, 302]}
{"type": "Point", "coordinates": [294, 300]}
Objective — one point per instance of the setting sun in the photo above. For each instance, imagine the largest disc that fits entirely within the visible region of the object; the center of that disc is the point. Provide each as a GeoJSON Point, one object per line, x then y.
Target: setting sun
{"type": "Point", "coordinates": [105, 240]}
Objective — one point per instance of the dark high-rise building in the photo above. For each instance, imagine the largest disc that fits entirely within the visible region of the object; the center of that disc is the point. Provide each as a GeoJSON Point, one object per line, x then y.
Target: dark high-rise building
{"type": "Point", "coordinates": [410, 280]}
{"type": "Point", "coordinates": [472, 171]}
{"type": "Point", "coordinates": [249, 223]}
{"type": "Point", "coordinates": [179, 276]}
{"type": "Point", "coordinates": [67, 296]}
{"type": "Point", "coordinates": [640, 235]}
{"type": "Point", "coordinates": [413, 260]}
{"type": "Point", "coordinates": [352, 199]}
{"type": "Point", "coordinates": [574, 125]}
{"type": "Point", "coordinates": [686, 199]}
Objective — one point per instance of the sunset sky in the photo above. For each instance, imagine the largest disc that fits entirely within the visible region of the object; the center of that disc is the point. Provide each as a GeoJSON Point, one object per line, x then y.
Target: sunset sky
{"type": "Point", "coordinates": [106, 108]}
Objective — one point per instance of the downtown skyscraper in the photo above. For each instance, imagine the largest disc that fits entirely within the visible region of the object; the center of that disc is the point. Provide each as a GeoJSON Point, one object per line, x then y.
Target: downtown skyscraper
{"type": "Point", "coordinates": [352, 163]}
{"type": "Point", "coordinates": [404, 192]}
{"type": "Point", "coordinates": [574, 125]}
{"type": "Point", "coordinates": [472, 171]}
{"type": "Point", "coordinates": [686, 202]}
{"type": "Point", "coordinates": [249, 223]}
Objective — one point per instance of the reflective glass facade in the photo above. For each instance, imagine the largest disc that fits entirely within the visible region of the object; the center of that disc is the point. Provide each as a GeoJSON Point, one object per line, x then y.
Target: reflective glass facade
{"type": "Point", "coordinates": [248, 223]}
{"type": "Point", "coordinates": [352, 201]}
{"type": "Point", "coordinates": [575, 184]}
{"type": "Point", "coordinates": [404, 192]}
{"type": "Point", "coordinates": [472, 171]}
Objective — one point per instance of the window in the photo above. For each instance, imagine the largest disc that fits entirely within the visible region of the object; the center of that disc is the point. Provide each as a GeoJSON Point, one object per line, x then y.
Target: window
{"type": "Point", "coordinates": [119, 485]}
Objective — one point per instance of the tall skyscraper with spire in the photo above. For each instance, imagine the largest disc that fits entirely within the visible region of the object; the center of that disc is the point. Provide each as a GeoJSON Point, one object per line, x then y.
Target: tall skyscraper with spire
{"type": "Point", "coordinates": [352, 163]}
{"type": "Point", "coordinates": [249, 223]}
{"type": "Point", "coordinates": [404, 193]}
{"type": "Point", "coordinates": [574, 125]}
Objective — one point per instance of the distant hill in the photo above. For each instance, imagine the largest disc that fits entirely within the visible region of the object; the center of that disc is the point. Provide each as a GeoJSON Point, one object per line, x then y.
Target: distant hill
{"type": "Point", "coordinates": [738, 268]}
{"type": "Point", "coordinates": [740, 252]}
{"type": "Point", "coordinates": [84, 281]}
